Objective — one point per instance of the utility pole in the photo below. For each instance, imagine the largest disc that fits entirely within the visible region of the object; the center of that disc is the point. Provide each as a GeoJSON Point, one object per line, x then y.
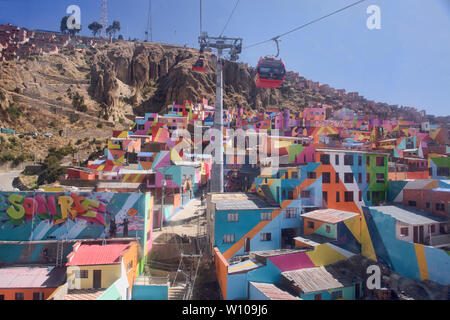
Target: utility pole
{"type": "Point", "coordinates": [149, 23]}
{"type": "Point", "coordinates": [234, 45]}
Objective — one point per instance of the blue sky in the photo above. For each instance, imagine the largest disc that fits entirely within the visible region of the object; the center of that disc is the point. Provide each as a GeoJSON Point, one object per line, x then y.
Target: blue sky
{"type": "Point", "coordinates": [407, 62]}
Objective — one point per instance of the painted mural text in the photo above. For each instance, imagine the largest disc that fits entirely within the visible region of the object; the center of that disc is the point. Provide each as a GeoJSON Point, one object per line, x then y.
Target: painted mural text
{"type": "Point", "coordinates": [58, 209]}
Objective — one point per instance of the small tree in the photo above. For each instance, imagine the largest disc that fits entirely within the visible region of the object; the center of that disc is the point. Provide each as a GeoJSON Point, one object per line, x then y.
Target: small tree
{"type": "Point", "coordinates": [95, 27]}
{"type": "Point", "coordinates": [64, 29]}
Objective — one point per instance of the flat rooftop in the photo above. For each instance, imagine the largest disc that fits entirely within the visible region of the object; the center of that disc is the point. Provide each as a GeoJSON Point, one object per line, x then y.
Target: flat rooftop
{"type": "Point", "coordinates": [331, 216]}
{"type": "Point", "coordinates": [408, 215]}
{"type": "Point", "coordinates": [240, 201]}
{"type": "Point", "coordinates": [32, 277]}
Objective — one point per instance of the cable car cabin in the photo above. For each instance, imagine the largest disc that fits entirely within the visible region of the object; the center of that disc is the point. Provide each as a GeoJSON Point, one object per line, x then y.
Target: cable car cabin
{"type": "Point", "coordinates": [271, 73]}
{"type": "Point", "coordinates": [200, 65]}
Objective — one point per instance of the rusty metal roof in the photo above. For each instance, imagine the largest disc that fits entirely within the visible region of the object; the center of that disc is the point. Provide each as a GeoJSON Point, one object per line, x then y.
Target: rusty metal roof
{"type": "Point", "coordinates": [272, 292]}
{"type": "Point", "coordinates": [332, 216]}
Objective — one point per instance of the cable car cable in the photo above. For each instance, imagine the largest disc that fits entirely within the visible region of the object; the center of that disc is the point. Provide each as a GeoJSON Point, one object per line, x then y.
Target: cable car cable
{"type": "Point", "coordinates": [229, 18]}
{"type": "Point", "coordinates": [306, 24]}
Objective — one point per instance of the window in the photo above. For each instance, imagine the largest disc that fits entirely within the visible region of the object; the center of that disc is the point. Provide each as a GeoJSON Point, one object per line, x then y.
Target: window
{"type": "Point", "coordinates": [348, 196]}
{"type": "Point", "coordinates": [360, 195]}
{"type": "Point", "coordinates": [291, 213]}
{"type": "Point", "coordinates": [440, 207]}
{"type": "Point", "coordinates": [266, 215]}
{"type": "Point", "coordinates": [305, 194]}
{"type": "Point", "coordinates": [368, 195]}
{"type": "Point", "coordinates": [348, 177]}
{"type": "Point", "coordinates": [368, 160]}
{"type": "Point", "coordinates": [325, 196]}
{"type": "Point", "coordinates": [336, 159]}
{"type": "Point", "coordinates": [380, 162]}
{"type": "Point", "coordinates": [338, 196]}
{"type": "Point", "coordinates": [325, 158]}
{"type": "Point", "coordinates": [266, 236]}
{"type": "Point", "coordinates": [328, 229]}
{"type": "Point", "coordinates": [336, 295]}
{"type": "Point", "coordinates": [19, 296]}
{"type": "Point", "coordinates": [38, 296]}
{"type": "Point", "coordinates": [432, 228]}
{"type": "Point", "coordinates": [168, 177]}
{"type": "Point", "coordinates": [359, 177]}
{"type": "Point", "coordinates": [360, 161]}
{"type": "Point", "coordinates": [310, 224]}
{"type": "Point", "coordinates": [380, 177]}
{"type": "Point", "coordinates": [443, 172]}
{"type": "Point", "coordinates": [337, 177]}
{"type": "Point", "coordinates": [404, 232]}
{"type": "Point", "coordinates": [84, 274]}
{"type": "Point", "coordinates": [368, 177]}
{"type": "Point", "coordinates": [291, 195]}
{"type": "Point", "coordinates": [326, 177]}
{"type": "Point", "coordinates": [233, 217]}
{"type": "Point", "coordinates": [428, 205]}
{"type": "Point", "coordinates": [412, 203]}
{"type": "Point", "coordinates": [348, 160]}
{"type": "Point", "coordinates": [228, 238]}
{"type": "Point", "coordinates": [311, 175]}
{"type": "Point", "coordinates": [294, 175]}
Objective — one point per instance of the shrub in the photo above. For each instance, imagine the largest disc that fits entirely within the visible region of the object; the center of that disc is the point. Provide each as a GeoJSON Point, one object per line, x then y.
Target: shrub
{"type": "Point", "coordinates": [16, 90]}
{"type": "Point", "coordinates": [99, 125]}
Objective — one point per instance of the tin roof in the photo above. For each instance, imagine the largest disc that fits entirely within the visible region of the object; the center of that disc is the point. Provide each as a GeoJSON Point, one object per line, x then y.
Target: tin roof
{"type": "Point", "coordinates": [314, 279]}
{"type": "Point", "coordinates": [32, 277]}
{"type": "Point", "coordinates": [84, 294]}
{"type": "Point", "coordinates": [332, 216]}
{"type": "Point", "coordinates": [272, 292]}
{"type": "Point", "coordinates": [288, 262]}
{"type": "Point", "coordinates": [243, 266]}
{"type": "Point", "coordinates": [407, 215]}
{"type": "Point", "coordinates": [240, 201]}
{"type": "Point", "coordinates": [94, 254]}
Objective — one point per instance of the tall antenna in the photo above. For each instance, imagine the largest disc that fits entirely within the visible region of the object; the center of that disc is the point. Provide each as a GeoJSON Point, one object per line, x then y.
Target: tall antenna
{"type": "Point", "coordinates": [149, 23]}
{"type": "Point", "coordinates": [104, 18]}
{"type": "Point", "coordinates": [201, 28]}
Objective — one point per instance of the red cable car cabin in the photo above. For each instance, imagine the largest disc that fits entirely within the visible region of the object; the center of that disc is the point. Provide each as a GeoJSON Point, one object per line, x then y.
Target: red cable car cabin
{"type": "Point", "coordinates": [271, 72]}
{"type": "Point", "coordinates": [200, 65]}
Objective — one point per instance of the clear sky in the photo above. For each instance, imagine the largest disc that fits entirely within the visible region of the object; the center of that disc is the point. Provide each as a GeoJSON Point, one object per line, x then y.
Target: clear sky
{"type": "Point", "coordinates": [406, 62]}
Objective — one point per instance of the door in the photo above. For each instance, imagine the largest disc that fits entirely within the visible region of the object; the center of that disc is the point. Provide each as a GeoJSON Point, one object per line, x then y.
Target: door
{"type": "Point", "coordinates": [247, 245]}
{"type": "Point", "coordinates": [416, 234]}
{"type": "Point", "coordinates": [421, 238]}
{"type": "Point", "coordinates": [97, 279]}
{"type": "Point", "coordinates": [357, 291]}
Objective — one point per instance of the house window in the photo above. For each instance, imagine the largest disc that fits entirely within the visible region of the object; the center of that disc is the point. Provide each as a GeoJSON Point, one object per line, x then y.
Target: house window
{"type": "Point", "coordinates": [266, 216]}
{"type": "Point", "coordinates": [266, 236]}
{"type": "Point", "coordinates": [440, 207]}
{"type": "Point", "coordinates": [348, 196]}
{"type": "Point", "coordinates": [291, 213]}
{"type": "Point", "coordinates": [311, 175]}
{"type": "Point", "coordinates": [443, 172]}
{"type": "Point", "coordinates": [83, 274]}
{"type": "Point", "coordinates": [348, 177]}
{"type": "Point", "coordinates": [336, 295]}
{"type": "Point", "coordinates": [368, 177]}
{"type": "Point", "coordinates": [380, 161]}
{"type": "Point", "coordinates": [168, 177]}
{"type": "Point", "coordinates": [233, 217]}
{"type": "Point", "coordinates": [338, 196]}
{"type": "Point", "coordinates": [38, 296]}
{"type": "Point", "coordinates": [326, 177]}
{"type": "Point", "coordinates": [360, 161]}
{"type": "Point", "coordinates": [348, 160]}
{"type": "Point", "coordinates": [228, 238]}
{"type": "Point", "coordinates": [337, 177]}
{"type": "Point", "coordinates": [432, 228]}
{"type": "Point", "coordinates": [305, 194]}
{"type": "Point", "coordinates": [325, 158]}
{"type": "Point", "coordinates": [368, 160]}
{"type": "Point", "coordinates": [428, 205]}
{"type": "Point", "coordinates": [19, 296]}
{"type": "Point", "coordinates": [412, 203]}
{"type": "Point", "coordinates": [328, 229]}
{"type": "Point", "coordinates": [404, 232]}
{"type": "Point", "coordinates": [380, 177]}
{"type": "Point", "coordinates": [294, 175]}
{"type": "Point", "coordinates": [360, 195]}
{"type": "Point", "coordinates": [336, 159]}
{"type": "Point", "coordinates": [310, 224]}
{"type": "Point", "coordinates": [325, 196]}
{"type": "Point", "coordinates": [359, 177]}
{"type": "Point", "coordinates": [291, 195]}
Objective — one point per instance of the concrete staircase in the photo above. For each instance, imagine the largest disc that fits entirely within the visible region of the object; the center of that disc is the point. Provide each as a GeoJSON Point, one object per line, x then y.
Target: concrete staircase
{"type": "Point", "coordinates": [177, 293]}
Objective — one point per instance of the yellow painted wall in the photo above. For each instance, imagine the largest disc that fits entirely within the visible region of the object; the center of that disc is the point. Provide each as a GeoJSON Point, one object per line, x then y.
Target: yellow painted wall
{"type": "Point", "coordinates": [110, 273]}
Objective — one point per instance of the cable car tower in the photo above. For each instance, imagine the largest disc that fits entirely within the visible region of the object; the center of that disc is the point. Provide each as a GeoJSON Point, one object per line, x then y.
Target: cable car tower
{"type": "Point", "coordinates": [234, 48]}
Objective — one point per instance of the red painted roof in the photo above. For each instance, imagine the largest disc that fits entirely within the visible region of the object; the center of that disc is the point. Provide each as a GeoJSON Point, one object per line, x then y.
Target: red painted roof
{"type": "Point", "coordinates": [288, 262]}
{"type": "Point", "coordinates": [95, 254]}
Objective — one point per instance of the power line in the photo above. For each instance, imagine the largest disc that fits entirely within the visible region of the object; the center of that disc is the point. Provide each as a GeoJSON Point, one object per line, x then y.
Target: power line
{"type": "Point", "coordinates": [229, 18]}
{"type": "Point", "coordinates": [306, 24]}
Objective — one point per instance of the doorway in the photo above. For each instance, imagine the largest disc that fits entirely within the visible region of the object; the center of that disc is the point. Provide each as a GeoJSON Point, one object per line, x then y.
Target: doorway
{"type": "Point", "coordinates": [287, 238]}
{"type": "Point", "coordinates": [97, 279]}
{"type": "Point", "coordinates": [247, 245]}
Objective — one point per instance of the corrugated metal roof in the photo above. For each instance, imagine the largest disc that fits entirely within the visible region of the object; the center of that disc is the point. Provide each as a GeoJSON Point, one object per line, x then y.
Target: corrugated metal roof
{"type": "Point", "coordinates": [288, 262]}
{"type": "Point", "coordinates": [84, 294]}
{"type": "Point", "coordinates": [32, 277]}
{"type": "Point", "coordinates": [94, 254]}
{"type": "Point", "coordinates": [240, 201]}
{"type": "Point", "coordinates": [272, 292]}
{"type": "Point", "coordinates": [313, 279]}
{"type": "Point", "coordinates": [332, 216]}
{"type": "Point", "coordinates": [407, 215]}
{"type": "Point", "coordinates": [243, 266]}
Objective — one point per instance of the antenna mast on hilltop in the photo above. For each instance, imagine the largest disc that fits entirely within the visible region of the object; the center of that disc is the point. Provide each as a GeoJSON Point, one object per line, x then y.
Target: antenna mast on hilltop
{"type": "Point", "coordinates": [149, 23]}
{"type": "Point", "coordinates": [104, 18]}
